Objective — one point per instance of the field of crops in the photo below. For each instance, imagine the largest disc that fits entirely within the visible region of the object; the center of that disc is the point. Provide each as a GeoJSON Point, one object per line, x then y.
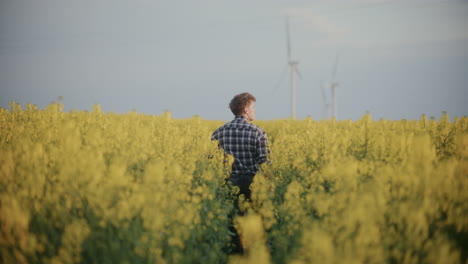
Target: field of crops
{"type": "Point", "coordinates": [95, 187]}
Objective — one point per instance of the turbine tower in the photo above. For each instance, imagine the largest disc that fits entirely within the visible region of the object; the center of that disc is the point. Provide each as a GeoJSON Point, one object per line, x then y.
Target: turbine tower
{"type": "Point", "coordinates": [326, 104]}
{"type": "Point", "coordinates": [333, 85]}
{"type": "Point", "coordinates": [293, 71]}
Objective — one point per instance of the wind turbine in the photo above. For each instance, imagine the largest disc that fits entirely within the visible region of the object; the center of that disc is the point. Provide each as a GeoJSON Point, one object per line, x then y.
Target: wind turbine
{"type": "Point", "coordinates": [293, 71]}
{"type": "Point", "coordinates": [326, 104]}
{"type": "Point", "coordinates": [333, 85]}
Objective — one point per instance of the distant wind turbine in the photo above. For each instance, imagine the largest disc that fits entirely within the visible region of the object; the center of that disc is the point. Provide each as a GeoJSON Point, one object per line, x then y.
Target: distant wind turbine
{"type": "Point", "coordinates": [333, 85]}
{"type": "Point", "coordinates": [326, 104]}
{"type": "Point", "coordinates": [293, 71]}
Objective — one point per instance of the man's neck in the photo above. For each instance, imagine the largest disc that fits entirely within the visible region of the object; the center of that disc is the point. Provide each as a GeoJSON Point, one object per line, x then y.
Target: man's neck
{"type": "Point", "coordinates": [245, 117]}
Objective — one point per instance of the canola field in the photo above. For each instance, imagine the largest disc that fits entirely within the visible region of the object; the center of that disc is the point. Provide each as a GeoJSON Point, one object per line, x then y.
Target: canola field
{"type": "Point", "coordinates": [95, 187]}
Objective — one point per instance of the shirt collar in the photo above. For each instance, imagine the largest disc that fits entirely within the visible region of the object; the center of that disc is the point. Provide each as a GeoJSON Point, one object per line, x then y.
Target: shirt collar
{"type": "Point", "coordinates": [239, 117]}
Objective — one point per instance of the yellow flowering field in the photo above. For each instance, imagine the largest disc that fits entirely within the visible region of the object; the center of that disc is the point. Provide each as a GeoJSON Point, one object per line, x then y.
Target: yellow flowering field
{"type": "Point", "coordinates": [95, 187]}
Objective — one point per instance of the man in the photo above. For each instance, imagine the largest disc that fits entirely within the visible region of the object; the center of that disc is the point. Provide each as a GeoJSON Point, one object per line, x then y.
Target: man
{"type": "Point", "coordinates": [246, 142]}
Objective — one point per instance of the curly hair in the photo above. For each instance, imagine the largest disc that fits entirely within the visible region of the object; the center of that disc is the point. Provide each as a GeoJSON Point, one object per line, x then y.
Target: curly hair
{"type": "Point", "coordinates": [240, 102]}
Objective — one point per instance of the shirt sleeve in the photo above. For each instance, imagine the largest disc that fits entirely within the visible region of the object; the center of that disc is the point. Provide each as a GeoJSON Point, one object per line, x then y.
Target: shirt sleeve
{"type": "Point", "coordinates": [262, 148]}
{"type": "Point", "coordinates": [214, 136]}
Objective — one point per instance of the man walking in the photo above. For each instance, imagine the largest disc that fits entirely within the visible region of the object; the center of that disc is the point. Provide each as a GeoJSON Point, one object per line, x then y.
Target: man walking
{"type": "Point", "coordinates": [246, 142]}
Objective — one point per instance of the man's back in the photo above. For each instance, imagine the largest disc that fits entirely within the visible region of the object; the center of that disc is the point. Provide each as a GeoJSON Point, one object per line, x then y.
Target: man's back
{"type": "Point", "coordinates": [246, 142]}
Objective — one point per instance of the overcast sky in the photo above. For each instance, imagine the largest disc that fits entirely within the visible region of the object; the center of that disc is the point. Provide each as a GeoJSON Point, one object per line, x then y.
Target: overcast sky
{"type": "Point", "coordinates": [397, 58]}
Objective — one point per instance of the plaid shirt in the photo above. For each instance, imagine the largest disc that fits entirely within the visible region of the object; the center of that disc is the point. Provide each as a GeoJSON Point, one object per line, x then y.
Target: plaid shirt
{"type": "Point", "coordinates": [246, 142]}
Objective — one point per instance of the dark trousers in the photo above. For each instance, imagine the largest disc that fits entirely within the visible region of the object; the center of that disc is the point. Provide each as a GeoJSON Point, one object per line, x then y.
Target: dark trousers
{"type": "Point", "coordinates": [243, 182]}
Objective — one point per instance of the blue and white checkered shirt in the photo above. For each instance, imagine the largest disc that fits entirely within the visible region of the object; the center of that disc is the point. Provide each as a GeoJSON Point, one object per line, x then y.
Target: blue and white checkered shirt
{"type": "Point", "coordinates": [246, 142]}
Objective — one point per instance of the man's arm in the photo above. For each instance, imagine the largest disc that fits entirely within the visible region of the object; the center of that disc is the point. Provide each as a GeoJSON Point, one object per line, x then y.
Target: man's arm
{"type": "Point", "coordinates": [214, 136]}
{"type": "Point", "coordinates": [262, 148]}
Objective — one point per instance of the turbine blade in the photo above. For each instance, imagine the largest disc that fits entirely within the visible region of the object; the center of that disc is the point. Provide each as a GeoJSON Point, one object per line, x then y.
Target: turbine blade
{"type": "Point", "coordinates": [324, 96]}
{"type": "Point", "coordinates": [298, 72]}
{"type": "Point", "coordinates": [288, 42]}
{"type": "Point", "coordinates": [280, 81]}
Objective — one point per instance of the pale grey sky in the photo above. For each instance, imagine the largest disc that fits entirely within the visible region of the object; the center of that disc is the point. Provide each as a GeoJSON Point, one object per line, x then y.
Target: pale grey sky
{"type": "Point", "coordinates": [397, 58]}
